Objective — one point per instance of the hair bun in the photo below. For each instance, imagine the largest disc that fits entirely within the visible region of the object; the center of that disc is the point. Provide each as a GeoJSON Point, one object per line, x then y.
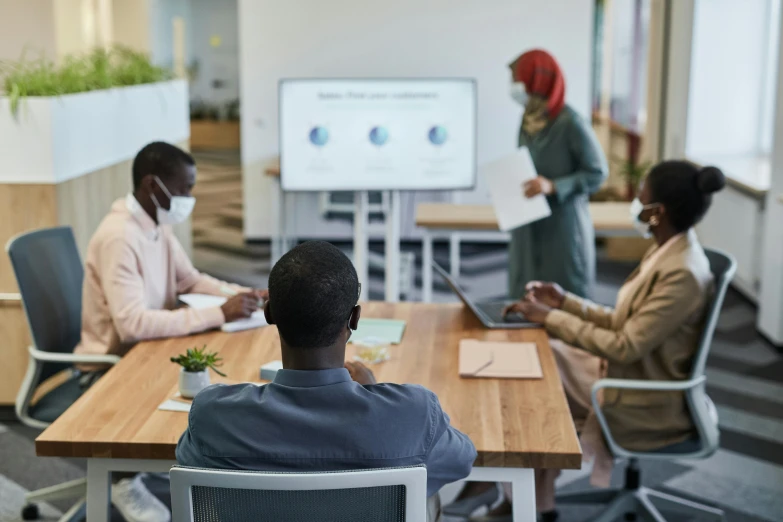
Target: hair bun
{"type": "Point", "coordinates": [710, 179]}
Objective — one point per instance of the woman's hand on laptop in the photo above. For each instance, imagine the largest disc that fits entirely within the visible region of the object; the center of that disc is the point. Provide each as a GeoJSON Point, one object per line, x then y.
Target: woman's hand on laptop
{"type": "Point", "coordinates": [360, 373]}
{"type": "Point", "coordinates": [533, 311]}
{"type": "Point", "coordinates": [550, 294]}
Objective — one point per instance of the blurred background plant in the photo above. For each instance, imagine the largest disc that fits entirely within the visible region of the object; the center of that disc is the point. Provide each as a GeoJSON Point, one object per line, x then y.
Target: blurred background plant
{"type": "Point", "coordinates": [98, 69]}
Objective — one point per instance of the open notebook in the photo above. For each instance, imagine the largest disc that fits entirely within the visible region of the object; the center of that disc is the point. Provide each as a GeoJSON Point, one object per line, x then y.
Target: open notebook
{"type": "Point", "coordinates": [499, 360]}
{"type": "Point", "coordinates": [201, 301]}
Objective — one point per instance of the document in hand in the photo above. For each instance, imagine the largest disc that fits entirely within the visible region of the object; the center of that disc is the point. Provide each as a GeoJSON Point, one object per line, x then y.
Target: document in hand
{"type": "Point", "coordinates": [506, 177]}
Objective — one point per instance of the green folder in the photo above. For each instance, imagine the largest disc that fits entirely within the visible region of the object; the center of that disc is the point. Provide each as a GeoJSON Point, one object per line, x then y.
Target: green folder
{"type": "Point", "coordinates": [381, 331]}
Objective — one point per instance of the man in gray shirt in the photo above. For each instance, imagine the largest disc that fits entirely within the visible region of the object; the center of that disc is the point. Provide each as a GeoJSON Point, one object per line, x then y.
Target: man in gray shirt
{"type": "Point", "coordinates": [321, 413]}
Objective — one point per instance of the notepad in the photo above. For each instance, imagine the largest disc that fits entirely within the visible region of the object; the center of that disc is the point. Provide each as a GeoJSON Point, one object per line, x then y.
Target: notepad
{"type": "Point", "coordinates": [202, 301]}
{"type": "Point", "coordinates": [499, 360]}
{"type": "Point", "coordinates": [379, 331]}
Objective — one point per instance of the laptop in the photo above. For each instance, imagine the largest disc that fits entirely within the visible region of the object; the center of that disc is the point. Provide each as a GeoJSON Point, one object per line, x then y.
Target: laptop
{"type": "Point", "coordinates": [490, 313]}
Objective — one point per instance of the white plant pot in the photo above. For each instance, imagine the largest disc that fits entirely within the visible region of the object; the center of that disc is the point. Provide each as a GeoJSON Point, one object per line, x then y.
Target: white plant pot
{"type": "Point", "coordinates": [54, 139]}
{"type": "Point", "coordinates": [190, 383]}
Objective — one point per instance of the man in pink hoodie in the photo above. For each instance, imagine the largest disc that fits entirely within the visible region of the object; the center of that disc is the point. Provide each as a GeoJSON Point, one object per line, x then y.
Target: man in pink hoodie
{"type": "Point", "coordinates": [135, 270]}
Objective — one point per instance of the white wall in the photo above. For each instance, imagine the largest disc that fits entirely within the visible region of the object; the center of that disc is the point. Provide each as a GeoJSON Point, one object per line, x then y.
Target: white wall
{"type": "Point", "coordinates": [728, 65]}
{"type": "Point", "coordinates": [27, 26]}
{"type": "Point", "coordinates": [474, 38]}
{"type": "Point", "coordinates": [161, 29]}
{"type": "Point", "coordinates": [215, 18]}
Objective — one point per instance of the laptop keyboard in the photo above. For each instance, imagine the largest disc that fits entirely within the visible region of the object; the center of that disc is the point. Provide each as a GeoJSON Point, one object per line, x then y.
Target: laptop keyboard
{"type": "Point", "coordinates": [494, 311]}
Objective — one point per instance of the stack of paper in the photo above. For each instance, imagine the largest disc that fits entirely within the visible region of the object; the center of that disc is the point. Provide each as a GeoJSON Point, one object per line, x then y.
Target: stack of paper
{"type": "Point", "coordinates": [506, 178]}
{"type": "Point", "coordinates": [499, 360]}
{"type": "Point", "coordinates": [201, 301]}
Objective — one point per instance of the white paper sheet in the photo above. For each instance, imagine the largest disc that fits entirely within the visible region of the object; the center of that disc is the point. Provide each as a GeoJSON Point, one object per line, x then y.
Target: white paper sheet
{"type": "Point", "coordinates": [202, 301]}
{"type": "Point", "coordinates": [257, 320]}
{"type": "Point", "coordinates": [172, 405]}
{"type": "Point", "coordinates": [506, 177]}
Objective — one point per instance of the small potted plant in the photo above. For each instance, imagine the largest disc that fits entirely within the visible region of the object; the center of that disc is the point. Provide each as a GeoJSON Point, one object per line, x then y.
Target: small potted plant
{"type": "Point", "coordinates": [194, 375]}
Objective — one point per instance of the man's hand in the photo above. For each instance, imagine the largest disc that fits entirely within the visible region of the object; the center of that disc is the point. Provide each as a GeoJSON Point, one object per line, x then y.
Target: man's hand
{"type": "Point", "coordinates": [240, 306]}
{"type": "Point", "coordinates": [534, 312]}
{"type": "Point", "coordinates": [539, 185]}
{"type": "Point", "coordinates": [550, 294]}
{"type": "Point", "coordinates": [360, 373]}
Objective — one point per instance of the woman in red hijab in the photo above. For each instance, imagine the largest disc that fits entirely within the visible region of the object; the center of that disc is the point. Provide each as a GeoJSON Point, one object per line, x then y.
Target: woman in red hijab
{"type": "Point", "coordinates": [561, 248]}
{"type": "Point", "coordinates": [570, 165]}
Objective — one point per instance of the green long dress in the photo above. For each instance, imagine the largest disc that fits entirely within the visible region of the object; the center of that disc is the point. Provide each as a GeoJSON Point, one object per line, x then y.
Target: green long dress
{"type": "Point", "coordinates": [560, 248]}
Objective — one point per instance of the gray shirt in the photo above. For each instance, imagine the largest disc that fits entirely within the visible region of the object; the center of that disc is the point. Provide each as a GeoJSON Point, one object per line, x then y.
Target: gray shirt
{"type": "Point", "coordinates": [323, 421]}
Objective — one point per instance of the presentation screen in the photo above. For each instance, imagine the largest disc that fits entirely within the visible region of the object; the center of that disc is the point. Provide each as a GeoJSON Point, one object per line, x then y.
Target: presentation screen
{"type": "Point", "coordinates": [377, 134]}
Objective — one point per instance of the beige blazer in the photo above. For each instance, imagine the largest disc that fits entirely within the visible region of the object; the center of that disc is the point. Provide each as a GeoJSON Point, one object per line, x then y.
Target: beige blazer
{"type": "Point", "coordinates": [651, 335]}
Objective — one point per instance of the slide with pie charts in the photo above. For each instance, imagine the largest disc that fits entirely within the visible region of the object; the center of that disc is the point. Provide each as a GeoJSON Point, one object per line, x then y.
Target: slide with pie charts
{"type": "Point", "coordinates": [377, 134]}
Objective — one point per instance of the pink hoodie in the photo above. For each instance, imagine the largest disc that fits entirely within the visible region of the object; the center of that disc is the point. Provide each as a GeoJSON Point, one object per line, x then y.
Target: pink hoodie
{"type": "Point", "coordinates": [134, 272]}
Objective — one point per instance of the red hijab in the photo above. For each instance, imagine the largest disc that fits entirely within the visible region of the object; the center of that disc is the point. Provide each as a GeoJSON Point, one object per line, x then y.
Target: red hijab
{"type": "Point", "coordinates": [542, 76]}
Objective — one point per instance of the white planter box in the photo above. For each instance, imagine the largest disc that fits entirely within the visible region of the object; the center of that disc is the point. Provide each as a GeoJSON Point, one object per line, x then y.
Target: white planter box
{"type": "Point", "coordinates": [55, 139]}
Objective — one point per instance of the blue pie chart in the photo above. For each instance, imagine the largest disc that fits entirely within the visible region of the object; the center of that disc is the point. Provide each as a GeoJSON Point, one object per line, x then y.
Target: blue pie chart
{"type": "Point", "coordinates": [319, 136]}
{"type": "Point", "coordinates": [438, 135]}
{"type": "Point", "coordinates": [379, 136]}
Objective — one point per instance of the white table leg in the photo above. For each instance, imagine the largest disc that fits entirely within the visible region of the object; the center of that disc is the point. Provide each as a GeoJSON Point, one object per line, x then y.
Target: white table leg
{"type": "Point", "coordinates": [523, 494]}
{"type": "Point", "coordinates": [360, 240]}
{"type": "Point", "coordinates": [454, 241]}
{"type": "Point", "coordinates": [523, 488]}
{"type": "Point", "coordinates": [279, 243]}
{"type": "Point", "coordinates": [98, 490]}
{"type": "Point", "coordinates": [393, 248]}
{"type": "Point", "coordinates": [99, 481]}
{"type": "Point", "coordinates": [426, 266]}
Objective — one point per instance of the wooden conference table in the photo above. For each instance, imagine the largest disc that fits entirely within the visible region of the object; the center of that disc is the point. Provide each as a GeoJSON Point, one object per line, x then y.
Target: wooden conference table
{"type": "Point", "coordinates": [516, 425]}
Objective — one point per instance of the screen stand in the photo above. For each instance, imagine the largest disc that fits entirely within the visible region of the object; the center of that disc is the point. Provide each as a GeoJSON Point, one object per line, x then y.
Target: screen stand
{"type": "Point", "coordinates": [392, 249]}
{"type": "Point", "coordinates": [361, 219]}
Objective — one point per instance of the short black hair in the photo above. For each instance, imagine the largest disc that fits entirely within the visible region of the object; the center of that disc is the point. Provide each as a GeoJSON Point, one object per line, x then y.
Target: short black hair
{"type": "Point", "coordinates": [685, 190]}
{"type": "Point", "coordinates": [312, 290]}
{"type": "Point", "coordinates": [159, 158]}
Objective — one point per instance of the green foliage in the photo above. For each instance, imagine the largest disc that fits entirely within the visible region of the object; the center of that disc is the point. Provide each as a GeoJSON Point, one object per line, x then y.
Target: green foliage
{"type": "Point", "coordinates": [99, 69]}
{"type": "Point", "coordinates": [198, 360]}
{"type": "Point", "coordinates": [632, 172]}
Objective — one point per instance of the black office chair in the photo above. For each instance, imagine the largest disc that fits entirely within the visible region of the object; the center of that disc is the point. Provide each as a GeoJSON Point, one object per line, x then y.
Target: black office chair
{"type": "Point", "coordinates": [49, 274]}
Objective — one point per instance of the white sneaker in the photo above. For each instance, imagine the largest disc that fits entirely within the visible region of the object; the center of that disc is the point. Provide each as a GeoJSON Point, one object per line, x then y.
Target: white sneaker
{"type": "Point", "coordinates": [135, 502]}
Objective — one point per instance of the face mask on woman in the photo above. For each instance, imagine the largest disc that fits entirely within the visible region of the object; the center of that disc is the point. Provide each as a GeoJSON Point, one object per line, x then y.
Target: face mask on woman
{"type": "Point", "coordinates": [519, 93]}
{"type": "Point", "coordinates": [637, 207]}
{"type": "Point", "coordinates": [178, 212]}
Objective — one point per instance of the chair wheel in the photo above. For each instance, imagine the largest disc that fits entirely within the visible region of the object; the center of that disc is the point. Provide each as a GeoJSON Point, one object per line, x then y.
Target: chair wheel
{"type": "Point", "coordinates": [31, 512]}
{"type": "Point", "coordinates": [630, 517]}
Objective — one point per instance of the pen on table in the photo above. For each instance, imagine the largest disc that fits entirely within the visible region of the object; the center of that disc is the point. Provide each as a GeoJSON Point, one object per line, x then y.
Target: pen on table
{"type": "Point", "coordinates": [483, 366]}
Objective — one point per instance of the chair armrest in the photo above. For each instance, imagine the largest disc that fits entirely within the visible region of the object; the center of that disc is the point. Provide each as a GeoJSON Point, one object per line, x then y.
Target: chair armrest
{"type": "Point", "coordinates": [72, 358]}
{"type": "Point", "coordinates": [632, 384]}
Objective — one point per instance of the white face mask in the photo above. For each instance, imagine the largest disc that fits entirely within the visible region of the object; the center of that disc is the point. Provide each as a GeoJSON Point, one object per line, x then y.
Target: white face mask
{"type": "Point", "coordinates": [519, 93]}
{"type": "Point", "coordinates": [179, 210]}
{"type": "Point", "coordinates": [637, 207]}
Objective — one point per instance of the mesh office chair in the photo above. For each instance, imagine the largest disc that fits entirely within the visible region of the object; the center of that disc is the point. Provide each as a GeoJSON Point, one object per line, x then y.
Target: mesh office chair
{"type": "Point", "coordinates": [49, 274]}
{"type": "Point", "coordinates": [375, 495]}
{"type": "Point", "coordinates": [632, 498]}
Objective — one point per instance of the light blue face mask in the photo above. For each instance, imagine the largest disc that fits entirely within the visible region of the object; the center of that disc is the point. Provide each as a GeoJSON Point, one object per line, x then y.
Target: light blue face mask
{"type": "Point", "coordinates": [637, 207]}
{"type": "Point", "coordinates": [519, 93]}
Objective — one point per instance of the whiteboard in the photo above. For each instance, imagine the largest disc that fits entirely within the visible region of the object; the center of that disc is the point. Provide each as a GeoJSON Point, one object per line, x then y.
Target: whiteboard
{"type": "Point", "coordinates": [377, 134]}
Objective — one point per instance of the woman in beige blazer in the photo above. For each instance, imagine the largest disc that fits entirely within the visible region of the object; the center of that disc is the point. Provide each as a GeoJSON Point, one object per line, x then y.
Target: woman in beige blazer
{"type": "Point", "coordinates": [652, 333]}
